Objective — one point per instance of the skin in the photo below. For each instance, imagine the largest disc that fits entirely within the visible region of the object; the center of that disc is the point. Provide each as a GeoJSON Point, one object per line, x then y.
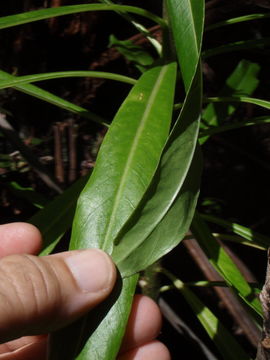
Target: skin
{"type": "Point", "coordinates": [34, 293]}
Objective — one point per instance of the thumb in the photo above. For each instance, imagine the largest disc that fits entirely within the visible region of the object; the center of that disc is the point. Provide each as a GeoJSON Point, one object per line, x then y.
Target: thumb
{"type": "Point", "coordinates": [41, 294]}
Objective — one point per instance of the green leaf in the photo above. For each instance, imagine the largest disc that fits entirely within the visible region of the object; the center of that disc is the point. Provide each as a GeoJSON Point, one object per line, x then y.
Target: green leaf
{"type": "Point", "coordinates": [132, 52]}
{"type": "Point", "coordinates": [237, 20]}
{"type": "Point", "coordinates": [36, 15]}
{"type": "Point", "coordinates": [173, 193]}
{"type": "Point", "coordinates": [187, 18]}
{"type": "Point", "coordinates": [165, 218]}
{"type": "Point", "coordinates": [52, 99]}
{"type": "Point", "coordinates": [106, 325]}
{"type": "Point", "coordinates": [139, 27]}
{"type": "Point", "coordinates": [127, 160]}
{"type": "Point", "coordinates": [224, 341]}
{"type": "Point", "coordinates": [223, 263]}
{"type": "Point", "coordinates": [251, 122]}
{"type": "Point", "coordinates": [240, 230]}
{"type": "Point", "coordinates": [19, 80]}
{"type": "Point", "coordinates": [28, 194]}
{"type": "Point", "coordinates": [236, 46]}
{"type": "Point", "coordinates": [242, 81]}
{"type": "Point", "coordinates": [56, 217]}
{"type": "Point", "coordinates": [245, 99]}
{"type": "Point", "coordinates": [125, 166]}
{"type": "Point", "coordinates": [239, 240]}
{"type": "Point", "coordinates": [139, 245]}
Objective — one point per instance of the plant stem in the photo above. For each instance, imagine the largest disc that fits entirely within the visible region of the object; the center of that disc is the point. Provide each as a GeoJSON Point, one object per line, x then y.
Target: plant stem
{"type": "Point", "coordinates": [150, 281]}
{"type": "Point", "coordinates": [263, 352]}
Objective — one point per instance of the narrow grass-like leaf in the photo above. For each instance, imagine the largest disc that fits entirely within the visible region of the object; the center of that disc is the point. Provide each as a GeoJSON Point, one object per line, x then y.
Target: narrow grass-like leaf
{"type": "Point", "coordinates": [236, 46]}
{"type": "Point", "coordinates": [56, 217]}
{"type": "Point", "coordinates": [240, 230]}
{"type": "Point", "coordinates": [127, 160]}
{"type": "Point", "coordinates": [224, 341]}
{"type": "Point", "coordinates": [242, 81]}
{"type": "Point", "coordinates": [235, 99]}
{"type": "Point", "coordinates": [36, 15]}
{"type": "Point", "coordinates": [187, 18]}
{"type": "Point", "coordinates": [245, 99]}
{"type": "Point", "coordinates": [44, 95]}
{"type": "Point", "coordinates": [219, 129]}
{"type": "Point", "coordinates": [239, 240]}
{"type": "Point", "coordinates": [181, 328]}
{"type": "Point", "coordinates": [19, 80]}
{"type": "Point", "coordinates": [237, 20]}
{"type": "Point", "coordinates": [223, 263]}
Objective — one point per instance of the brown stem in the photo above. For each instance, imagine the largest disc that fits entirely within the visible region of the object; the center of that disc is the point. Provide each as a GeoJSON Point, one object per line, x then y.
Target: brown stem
{"type": "Point", "coordinates": [59, 167]}
{"type": "Point", "coordinates": [72, 136]}
{"type": "Point", "coordinates": [263, 352]}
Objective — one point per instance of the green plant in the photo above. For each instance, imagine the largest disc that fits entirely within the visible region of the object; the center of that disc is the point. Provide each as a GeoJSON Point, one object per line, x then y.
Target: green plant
{"type": "Point", "coordinates": [138, 207]}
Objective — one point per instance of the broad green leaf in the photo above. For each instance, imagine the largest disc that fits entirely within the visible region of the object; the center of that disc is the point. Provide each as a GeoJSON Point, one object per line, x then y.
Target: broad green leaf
{"type": "Point", "coordinates": [36, 15]}
{"type": "Point", "coordinates": [19, 80]}
{"type": "Point", "coordinates": [102, 324]}
{"type": "Point", "coordinates": [98, 347]}
{"type": "Point", "coordinates": [223, 263]}
{"type": "Point", "coordinates": [167, 194]}
{"type": "Point", "coordinates": [56, 217]}
{"type": "Point", "coordinates": [127, 160]}
{"type": "Point", "coordinates": [164, 220]}
{"type": "Point", "coordinates": [242, 81]}
{"type": "Point", "coordinates": [224, 341]}
{"type": "Point", "coordinates": [51, 98]}
{"type": "Point", "coordinates": [240, 230]}
{"type": "Point", "coordinates": [142, 241]}
{"type": "Point", "coordinates": [107, 204]}
{"type": "Point", "coordinates": [186, 18]}
{"type": "Point", "coordinates": [125, 166]}
{"type": "Point", "coordinates": [237, 20]}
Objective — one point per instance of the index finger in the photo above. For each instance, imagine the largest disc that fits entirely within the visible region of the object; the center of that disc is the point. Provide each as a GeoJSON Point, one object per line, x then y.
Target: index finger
{"type": "Point", "coordinates": [19, 238]}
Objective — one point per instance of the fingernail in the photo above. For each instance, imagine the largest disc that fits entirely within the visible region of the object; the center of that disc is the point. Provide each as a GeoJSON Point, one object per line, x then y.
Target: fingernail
{"type": "Point", "coordinates": [91, 269]}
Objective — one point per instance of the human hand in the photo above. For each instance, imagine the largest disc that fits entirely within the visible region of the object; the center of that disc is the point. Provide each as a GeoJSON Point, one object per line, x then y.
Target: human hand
{"type": "Point", "coordinates": [41, 294]}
